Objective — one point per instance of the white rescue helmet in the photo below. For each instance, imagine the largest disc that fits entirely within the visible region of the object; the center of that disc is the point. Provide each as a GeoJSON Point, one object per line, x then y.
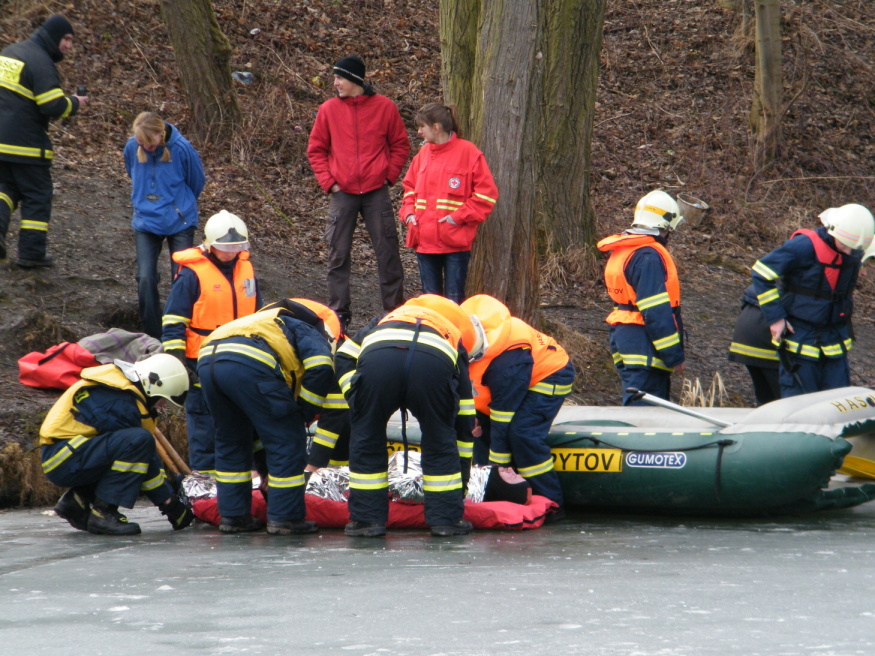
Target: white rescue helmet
{"type": "Point", "coordinates": [657, 210]}
{"type": "Point", "coordinates": [851, 225]}
{"type": "Point", "coordinates": [226, 232]}
{"type": "Point", "coordinates": [160, 374]}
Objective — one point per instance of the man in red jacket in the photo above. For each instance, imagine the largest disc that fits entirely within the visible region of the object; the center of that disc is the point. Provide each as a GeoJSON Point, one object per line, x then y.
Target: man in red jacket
{"type": "Point", "coordinates": [357, 149]}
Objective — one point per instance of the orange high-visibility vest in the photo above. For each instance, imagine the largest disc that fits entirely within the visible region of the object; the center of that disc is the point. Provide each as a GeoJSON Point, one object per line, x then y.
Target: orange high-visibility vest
{"type": "Point", "coordinates": [220, 301]}
{"type": "Point", "coordinates": [622, 248]}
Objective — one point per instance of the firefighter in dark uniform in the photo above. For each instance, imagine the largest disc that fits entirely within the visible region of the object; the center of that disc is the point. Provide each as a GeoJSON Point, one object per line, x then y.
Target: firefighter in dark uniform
{"type": "Point", "coordinates": [216, 284]}
{"type": "Point", "coordinates": [268, 373]}
{"type": "Point", "coordinates": [805, 290]}
{"type": "Point", "coordinates": [98, 440]}
{"type": "Point", "coordinates": [415, 358]}
{"type": "Point", "coordinates": [641, 278]}
{"type": "Point", "coordinates": [521, 377]}
{"type": "Point", "coordinates": [30, 95]}
{"type": "Point", "coordinates": [752, 346]}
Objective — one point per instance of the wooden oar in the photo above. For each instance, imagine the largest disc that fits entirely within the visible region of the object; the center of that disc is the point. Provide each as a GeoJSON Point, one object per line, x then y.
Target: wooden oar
{"type": "Point", "coordinates": [178, 464]}
{"type": "Point", "coordinates": [858, 467]}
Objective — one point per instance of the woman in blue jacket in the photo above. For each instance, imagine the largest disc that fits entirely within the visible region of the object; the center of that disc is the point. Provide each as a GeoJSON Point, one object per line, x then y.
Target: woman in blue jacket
{"type": "Point", "coordinates": [166, 179]}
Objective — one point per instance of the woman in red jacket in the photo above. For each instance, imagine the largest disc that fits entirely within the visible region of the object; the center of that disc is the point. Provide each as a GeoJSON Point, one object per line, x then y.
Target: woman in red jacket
{"type": "Point", "coordinates": [448, 192]}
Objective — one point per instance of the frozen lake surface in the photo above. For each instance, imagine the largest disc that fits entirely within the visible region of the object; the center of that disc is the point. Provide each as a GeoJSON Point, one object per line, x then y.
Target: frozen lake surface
{"type": "Point", "coordinates": [595, 584]}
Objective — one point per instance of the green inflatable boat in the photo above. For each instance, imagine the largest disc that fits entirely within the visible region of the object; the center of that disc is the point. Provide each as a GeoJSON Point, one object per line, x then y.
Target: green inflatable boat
{"type": "Point", "coordinates": [776, 459]}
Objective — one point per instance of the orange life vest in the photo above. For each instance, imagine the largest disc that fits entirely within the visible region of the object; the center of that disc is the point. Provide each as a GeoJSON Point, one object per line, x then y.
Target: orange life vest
{"type": "Point", "coordinates": [829, 257]}
{"type": "Point", "coordinates": [548, 355]}
{"type": "Point", "coordinates": [622, 248]}
{"type": "Point", "coordinates": [220, 301]}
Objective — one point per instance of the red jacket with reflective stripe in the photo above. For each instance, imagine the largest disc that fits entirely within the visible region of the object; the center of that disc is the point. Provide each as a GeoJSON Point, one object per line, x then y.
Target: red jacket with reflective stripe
{"type": "Point", "coordinates": [452, 179]}
{"type": "Point", "coordinates": [359, 143]}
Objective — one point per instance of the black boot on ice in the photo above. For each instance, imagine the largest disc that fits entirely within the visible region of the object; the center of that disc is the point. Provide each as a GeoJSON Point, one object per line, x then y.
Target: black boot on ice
{"type": "Point", "coordinates": [105, 519]}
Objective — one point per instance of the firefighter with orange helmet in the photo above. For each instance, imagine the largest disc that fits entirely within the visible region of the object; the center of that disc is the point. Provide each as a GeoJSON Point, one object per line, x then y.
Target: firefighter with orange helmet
{"type": "Point", "coordinates": [520, 377]}
{"type": "Point", "coordinates": [414, 358]}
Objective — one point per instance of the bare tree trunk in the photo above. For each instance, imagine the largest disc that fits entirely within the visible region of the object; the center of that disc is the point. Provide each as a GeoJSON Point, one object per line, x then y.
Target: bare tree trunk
{"type": "Point", "coordinates": [530, 95]}
{"type": "Point", "coordinates": [765, 115]}
{"type": "Point", "coordinates": [203, 55]}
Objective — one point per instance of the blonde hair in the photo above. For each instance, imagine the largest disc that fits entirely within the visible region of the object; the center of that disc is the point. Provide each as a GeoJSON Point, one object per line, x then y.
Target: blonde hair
{"type": "Point", "coordinates": [147, 126]}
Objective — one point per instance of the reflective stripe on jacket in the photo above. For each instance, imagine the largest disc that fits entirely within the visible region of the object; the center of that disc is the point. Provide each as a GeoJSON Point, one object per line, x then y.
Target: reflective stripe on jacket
{"type": "Point", "coordinates": [219, 301]}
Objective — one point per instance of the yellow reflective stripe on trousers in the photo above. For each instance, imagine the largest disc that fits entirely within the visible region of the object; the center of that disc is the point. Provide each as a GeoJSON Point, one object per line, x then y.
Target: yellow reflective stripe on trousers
{"type": "Point", "coordinates": [442, 483]}
{"type": "Point", "coordinates": [22, 151]}
{"type": "Point", "coordinates": [241, 349]}
{"type": "Point", "coordinates": [466, 449]}
{"type": "Point", "coordinates": [499, 458]}
{"type": "Point", "coordinates": [234, 477]}
{"type": "Point", "coordinates": [378, 481]}
{"type": "Point", "coordinates": [636, 360]}
{"type": "Point", "coordinates": [652, 301]}
{"type": "Point", "coordinates": [6, 199]}
{"type": "Point", "coordinates": [325, 438]}
{"type": "Point", "coordinates": [466, 408]}
{"type": "Point", "coordinates": [535, 470]}
{"type": "Point", "coordinates": [130, 467]}
{"type": "Point", "coordinates": [65, 452]}
{"type": "Point", "coordinates": [764, 271]}
{"type": "Point", "coordinates": [402, 335]}
{"type": "Point", "coordinates": [501, 416]}
{"type": "Point", "coordinates": [752, 351]}
{"type": "Point", "coordinates": [335, 401]}
{"type": "Point", "coordinates": [285, 482]}
{"type": "Point", "coordinates": [550, 389]}
{"type": "Point", "coordinates": [153, 483]}
{"type": "Point", "coordinates": [41, 226]}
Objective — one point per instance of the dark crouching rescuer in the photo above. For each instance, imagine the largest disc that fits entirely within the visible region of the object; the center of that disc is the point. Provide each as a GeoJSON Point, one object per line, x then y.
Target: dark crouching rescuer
{"type": "Point", "coordinates": [98, 440]}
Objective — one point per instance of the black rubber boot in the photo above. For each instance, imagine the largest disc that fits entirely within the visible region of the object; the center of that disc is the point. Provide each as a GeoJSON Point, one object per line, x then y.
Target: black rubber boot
{"type": "Point", "coordinates": [178, 514]}
{"type": "Point", "coordinates": [240, 524]}
{"type": "Point", "coordinates": [364, 530]}
{"type": "Point", "coordinates": [105, 519]}
{"type": "Point", "coordinates": [463, 527]}
{"type": "Point", "coordinates": [75, 507]}
{"type": "Point", "coordinates": [296, 527]}
{"type": "Point", "coordinates": [46, 261]}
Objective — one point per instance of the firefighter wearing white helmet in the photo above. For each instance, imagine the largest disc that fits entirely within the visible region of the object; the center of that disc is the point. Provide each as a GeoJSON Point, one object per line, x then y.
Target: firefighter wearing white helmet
{"type": "Point", "coordinates": [646, 334]}
{"type": "Point", "coordinates": [805, 290]}
{"type": "Point", "coordinates": [98, 440]}
{"type": "Point", "coordinates": [215, 284]}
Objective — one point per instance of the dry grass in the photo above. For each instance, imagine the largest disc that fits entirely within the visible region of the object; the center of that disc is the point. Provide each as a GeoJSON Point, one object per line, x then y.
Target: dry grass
{"type": "Point", "coordinates": [695, 395]}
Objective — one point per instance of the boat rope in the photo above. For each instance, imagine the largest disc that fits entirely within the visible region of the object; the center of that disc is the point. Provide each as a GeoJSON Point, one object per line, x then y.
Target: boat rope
{"type": "Point", "coordinates": [720, 444]}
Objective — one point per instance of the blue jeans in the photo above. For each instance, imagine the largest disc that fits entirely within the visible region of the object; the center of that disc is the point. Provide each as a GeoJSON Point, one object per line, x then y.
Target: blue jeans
{"type": "Point", "coordinates": [444, 272]}
{"type": "Point", "coordinates": [148, 249]}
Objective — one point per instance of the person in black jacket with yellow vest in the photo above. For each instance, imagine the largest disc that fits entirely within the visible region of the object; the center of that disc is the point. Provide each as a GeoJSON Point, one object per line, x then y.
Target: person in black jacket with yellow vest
{"type": "Point", "coordinates": [216, 283]}
{"type": "Point", "coordinates": [268, 373]}
{"type": "Point", "coordinates": [98, 440]}
{"type": "Point", "coordinates": [805, 290]}
{"type": "Point", "coordinates": [30, 95]}
{"type": "Point", "coordinates": [641, 278]}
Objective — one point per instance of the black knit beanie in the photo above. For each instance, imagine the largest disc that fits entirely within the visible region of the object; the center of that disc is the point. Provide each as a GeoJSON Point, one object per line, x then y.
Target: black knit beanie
{"type": "Point", "coordinates": [352, 68]}
{"type": "Point", "coordinates": [57, 27]}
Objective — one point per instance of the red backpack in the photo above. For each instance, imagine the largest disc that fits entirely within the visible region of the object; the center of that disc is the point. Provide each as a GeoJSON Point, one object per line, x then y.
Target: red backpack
{"type": "Point", "coordinates": [57, 368]}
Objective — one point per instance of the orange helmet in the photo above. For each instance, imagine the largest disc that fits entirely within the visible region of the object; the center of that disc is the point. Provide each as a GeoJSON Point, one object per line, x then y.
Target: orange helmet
{"type": "Point", "coordinates": [491, 320]}
{"type": "Point", "coordinates": [452, 312]}
{"type": "Point", "coordinates": [328, 316]}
